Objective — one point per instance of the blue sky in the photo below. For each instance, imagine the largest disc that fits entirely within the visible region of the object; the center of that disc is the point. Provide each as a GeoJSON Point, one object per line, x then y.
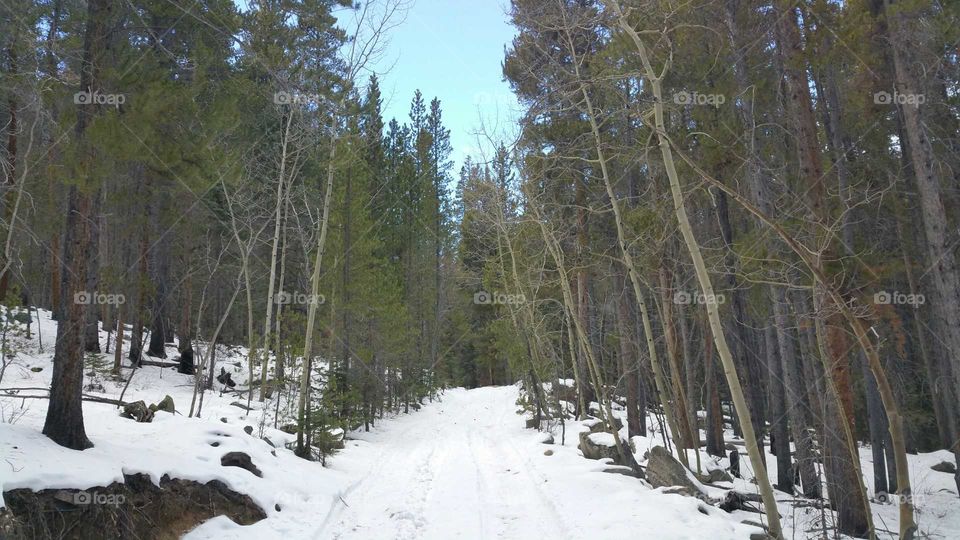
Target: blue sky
{"type": "Point", "coordinates": [452, 49]}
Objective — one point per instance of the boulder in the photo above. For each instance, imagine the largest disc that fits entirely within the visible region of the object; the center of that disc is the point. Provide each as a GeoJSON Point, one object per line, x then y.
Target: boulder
{"type": "Point", "coordinates": [625, 471]}
{"type": "Point", "coordinates": [242, 460]}
{"type": "Point", "coordinates": [337, 437]}
{"type": "Point", "coordinates": [945, 467]}
{"type": "Point", "coordinates": [663, 470]}
{"type": "Point", "coordinates": [598, 446]}
{"type": "Point", "coordinates": [548, 452]}
{"type": "Point", "coordinates": [137, 411]}
{"type": "Point", "coordinates": [166, 405]}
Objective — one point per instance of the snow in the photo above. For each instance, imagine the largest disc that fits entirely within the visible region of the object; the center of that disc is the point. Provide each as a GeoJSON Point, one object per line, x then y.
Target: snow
{"type": "Point", "coordinates": [466, 468]}
{"type": "Point", "coordinates": [602, 439]}
{"type": "Point", "coordinates": [462, 467]}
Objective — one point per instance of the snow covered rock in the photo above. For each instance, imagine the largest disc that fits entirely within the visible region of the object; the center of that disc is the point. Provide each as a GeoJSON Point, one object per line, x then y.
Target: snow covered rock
{"type": "Point", "coordinates": [598, 446]}
{"type": "Point", "coordinates": [595, 425]}
{"type": "Point", "coordinates": [663, 470]}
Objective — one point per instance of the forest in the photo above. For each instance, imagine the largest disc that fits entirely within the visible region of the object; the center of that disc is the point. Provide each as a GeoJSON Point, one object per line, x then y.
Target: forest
{"type": "Point", "coordinates": [720, 224]}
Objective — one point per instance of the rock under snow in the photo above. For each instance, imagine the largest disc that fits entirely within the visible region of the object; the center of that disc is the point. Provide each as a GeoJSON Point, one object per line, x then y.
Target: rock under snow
{"type": "Point", "coordinates": [598, 446]}
{"type": "Point", "coordinates": [663, 470]}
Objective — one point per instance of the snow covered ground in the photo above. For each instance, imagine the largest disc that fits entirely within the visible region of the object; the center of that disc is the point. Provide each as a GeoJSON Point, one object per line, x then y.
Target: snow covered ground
{"type": "Point", "coordinates": [466, 468]}
{"type": "Point", "coordinates": [461, 467]}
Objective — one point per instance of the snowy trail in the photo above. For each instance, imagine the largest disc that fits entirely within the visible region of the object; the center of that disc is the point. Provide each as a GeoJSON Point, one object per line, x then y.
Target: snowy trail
{"type": "Point", "coordinates": [448, 471]}
{"type": "Point", "coordinates": [466, 468]}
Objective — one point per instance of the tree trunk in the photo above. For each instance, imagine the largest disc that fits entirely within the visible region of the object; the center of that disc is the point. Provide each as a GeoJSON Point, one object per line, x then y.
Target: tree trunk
{"type": "Point", "coordinates": [794, 396]}
{"type": "Point", "coordinates": [303, 426]}
{"type": "Point", "coordinates": [901, 28]}
{"type": "Point", "coordinates": [118, 349]}
{"type": "Point", "coordinates": [628, 362]}
{"type": "Point", "coordinates": [160, 270]}
{"type": "Point", "coordinates": [706, 285]}
{"type": "Point", "coordinates": [714, 420]}
{"type": "Point", "coordinates": [842, 465]}
{"type": "Point", "coordinates": [64, 420]}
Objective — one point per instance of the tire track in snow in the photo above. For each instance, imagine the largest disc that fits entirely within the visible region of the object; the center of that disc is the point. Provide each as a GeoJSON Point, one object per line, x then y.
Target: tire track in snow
{"type": "Point", "coordinates": [451, 472]}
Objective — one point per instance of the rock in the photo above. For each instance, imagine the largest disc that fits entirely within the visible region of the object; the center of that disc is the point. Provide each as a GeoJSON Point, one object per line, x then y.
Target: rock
{"type": "Point", "coordinates": [548, 439]}
{"type": "Point", "coordinates": [223, 419]}
{"type": "Point", "coordinates": [289, 428]}
{"type": "Point", "coordinates": [242, 460]}
{"type": "Point", "coordinates": [268, 441]}
{"type": "Point", "coordinates": [337, 437]}
{"type": "Point", "coordinates": [716, 475]}
{"type": "Point", "coordinates": [166, 405]}
{"type": "Point", "coordinates": [36, 369]}
{"type": "Point", "coordinates": [663, 470]}
{"type": "Point", "coordinates": [598, 446]}
{"type": "Point", "coordinates": [625, 471]}
{"type": "Point", "coordinates": [137, 411]}
{"type": "Point", "coordinates": [945, 467]}
{"type": "Point", "coordinates": [548, 452]}
{"type": "Point", "coordinates": [248, 430]}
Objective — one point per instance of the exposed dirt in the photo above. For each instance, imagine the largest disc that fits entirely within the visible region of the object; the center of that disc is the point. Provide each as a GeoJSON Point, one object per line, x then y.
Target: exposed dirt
{"type": "Point", "coordinates": [136, 508]}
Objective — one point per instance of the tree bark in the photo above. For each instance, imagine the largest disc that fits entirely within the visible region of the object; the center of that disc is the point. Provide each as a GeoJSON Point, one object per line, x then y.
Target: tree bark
{"type": "Point", "coordinates": [941, 257]}
{"type": "Point", "coordinates": [64, 420]}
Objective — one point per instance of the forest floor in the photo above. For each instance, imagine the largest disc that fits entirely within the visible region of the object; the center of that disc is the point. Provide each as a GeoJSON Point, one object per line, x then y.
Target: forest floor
{"type": "Point", "coordinates": [462, 466]}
